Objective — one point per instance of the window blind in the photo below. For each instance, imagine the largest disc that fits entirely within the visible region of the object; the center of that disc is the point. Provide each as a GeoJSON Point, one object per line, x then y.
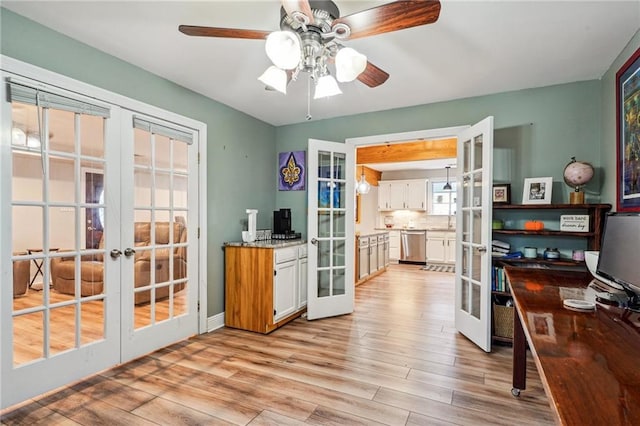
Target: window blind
{"type": "Point", "coordinates": [160, 129]}
{"type": "Point", "coordinates": [19, 92]}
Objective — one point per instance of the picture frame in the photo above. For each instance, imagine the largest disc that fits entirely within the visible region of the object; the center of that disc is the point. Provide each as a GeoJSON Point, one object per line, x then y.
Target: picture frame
{"type": "Point", "coordinates": [537, 190]}
{"type": "Point", "coordinates": [501, 193]}
{"type": "Point", "coordinates": [628, 135]}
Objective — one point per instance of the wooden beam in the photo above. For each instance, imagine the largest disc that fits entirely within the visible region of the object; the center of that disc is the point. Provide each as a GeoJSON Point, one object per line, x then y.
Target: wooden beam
{"type": "Point", "coordinates": [407, 151]}
{"type": "Point", "coordinates": [372, 176]}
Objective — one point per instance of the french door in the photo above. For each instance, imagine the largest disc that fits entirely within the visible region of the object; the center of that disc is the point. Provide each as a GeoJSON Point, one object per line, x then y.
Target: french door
{"type": "Point", "coordinates": [473, 217]}
{"type": "Point", "coordinates": [331, 177]}
{"type": "Point", "coordinates": [70, 306]}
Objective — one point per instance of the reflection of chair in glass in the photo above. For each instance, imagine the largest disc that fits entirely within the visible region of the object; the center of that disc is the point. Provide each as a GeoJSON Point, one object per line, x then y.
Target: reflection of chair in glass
{"type": "Point", "coordinates": [21, 270]}
{"type": "Point", "coordinates": [142, 265]}
{"type": "Point", "coordinates": [63, 274]}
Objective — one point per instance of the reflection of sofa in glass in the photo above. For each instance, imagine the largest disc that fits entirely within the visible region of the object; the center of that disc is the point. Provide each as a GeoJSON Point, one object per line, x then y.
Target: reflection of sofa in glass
{"type": "Point", "coordinates": [92, 268]}
{"type": "Point", "coordinates": [21, 270]}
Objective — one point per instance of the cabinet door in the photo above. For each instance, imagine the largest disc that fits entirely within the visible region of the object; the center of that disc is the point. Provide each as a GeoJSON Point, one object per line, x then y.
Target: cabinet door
{"type": "Point", "coordinates": [384, 193]}
{"type": "Point", "coordinates": [436, 247]}
{"type": "Point", "coordinates": [450, 255]}
{"type": "Point", "coordinates": [284, 289]}
{"type": "Point", "coordinates": [302, 282]}
{"type": "Point", "coordinates": [397, 195]}
{"type": "Point", "coordinates": [394, 245]}
{"type": "Point", "coordinates": [416, 195]}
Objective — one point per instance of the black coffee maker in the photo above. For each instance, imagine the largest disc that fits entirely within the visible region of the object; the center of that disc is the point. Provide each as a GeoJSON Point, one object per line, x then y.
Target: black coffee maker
{"type": "Point", "coordinates": [282, 222]}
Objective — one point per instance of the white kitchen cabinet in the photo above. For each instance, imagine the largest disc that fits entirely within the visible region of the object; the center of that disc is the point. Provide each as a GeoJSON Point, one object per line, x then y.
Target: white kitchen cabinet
{"type": "Point", "coordinates": [302, 276]}
{"type": "Point", "coordinates": [394, 245]}
{"type": "Point", "coordinates": [285, 282]}
{"type": "Point", "coordinates": [402, 194]}
{"type": "Point", "coordinates": [441, 247]}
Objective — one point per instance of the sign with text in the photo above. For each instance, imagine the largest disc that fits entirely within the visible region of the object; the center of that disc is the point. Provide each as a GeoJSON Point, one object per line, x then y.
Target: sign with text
{"type": "Point", "coordinates": [574, 222]}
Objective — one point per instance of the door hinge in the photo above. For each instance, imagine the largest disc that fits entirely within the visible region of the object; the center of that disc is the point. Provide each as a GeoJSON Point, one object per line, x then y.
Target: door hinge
{"type": "Point", "coordinates": [198, 232]}
{"type": "Point", "coordinates": [274, 312]}
{"type": "Point", "coordinates": [198, 158]}
{"type": "Point", "coordinates": [275, 272]}
{"type": "Point", "coordinates": [198, 306]}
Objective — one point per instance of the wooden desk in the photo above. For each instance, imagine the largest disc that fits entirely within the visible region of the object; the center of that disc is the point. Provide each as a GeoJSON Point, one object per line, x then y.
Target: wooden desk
{"type": "Point", "coordinates": [589, 362]}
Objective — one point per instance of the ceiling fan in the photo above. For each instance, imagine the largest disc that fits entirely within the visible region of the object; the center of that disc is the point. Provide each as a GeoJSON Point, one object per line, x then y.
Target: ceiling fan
{"type": "Point", "coordinates": [311, 36]}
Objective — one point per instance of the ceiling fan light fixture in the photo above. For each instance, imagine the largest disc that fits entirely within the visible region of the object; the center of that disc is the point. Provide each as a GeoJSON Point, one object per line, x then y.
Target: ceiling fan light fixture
{"type": "Point", "coordinates": [326, 86]}
{"type": "Point", "coordinates": [283, 48]}
{"type": "Point", "coordinates": [275, 78]}
{"type": "Point", "coordinates": [349, 64]}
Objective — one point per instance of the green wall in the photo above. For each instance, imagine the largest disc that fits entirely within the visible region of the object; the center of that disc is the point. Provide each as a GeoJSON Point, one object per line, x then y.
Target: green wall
{"type": "Point", "coordinates": [237, 175]}
{"type": "Point", "coordinates": [543, 128]}
{"type": "Point", "coordinates": [608, 135]}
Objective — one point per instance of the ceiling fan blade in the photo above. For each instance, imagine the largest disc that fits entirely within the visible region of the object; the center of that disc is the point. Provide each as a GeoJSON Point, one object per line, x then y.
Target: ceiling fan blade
{"type": "Point", "coordinates": [192, 30]}
{"type": "Point", "coordinates": [389, 17]}
{"type": "Point", "coordinates": [373, 76]}
{"type": "Point", "coordinates": [301, 6]}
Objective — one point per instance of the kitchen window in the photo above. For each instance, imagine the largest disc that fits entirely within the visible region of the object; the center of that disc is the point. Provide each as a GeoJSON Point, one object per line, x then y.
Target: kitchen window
{"type": "Point", "coordinates": [442, 201]}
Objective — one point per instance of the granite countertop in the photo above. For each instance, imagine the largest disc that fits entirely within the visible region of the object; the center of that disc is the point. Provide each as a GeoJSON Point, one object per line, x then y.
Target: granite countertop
{"type": "Point", "coordinates": [267, 243]}
{"type": "Point", "coordinates": [432, 228]}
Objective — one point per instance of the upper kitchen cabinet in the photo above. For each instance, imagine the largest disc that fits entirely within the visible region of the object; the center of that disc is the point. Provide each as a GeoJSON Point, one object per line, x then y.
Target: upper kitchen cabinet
{"type": "Point", "coordinates": [402, 195]}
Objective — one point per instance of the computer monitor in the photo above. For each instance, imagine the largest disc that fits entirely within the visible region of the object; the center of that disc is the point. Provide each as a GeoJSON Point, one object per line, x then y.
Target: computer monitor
{"type": "Point", "coordinates": [620, 252]}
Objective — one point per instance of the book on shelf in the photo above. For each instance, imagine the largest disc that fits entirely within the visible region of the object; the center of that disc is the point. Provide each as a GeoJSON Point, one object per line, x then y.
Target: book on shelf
{"type": "Point", "coordinates": [501, 244]}
{"type": "Point", "coordinates": [499, 279]}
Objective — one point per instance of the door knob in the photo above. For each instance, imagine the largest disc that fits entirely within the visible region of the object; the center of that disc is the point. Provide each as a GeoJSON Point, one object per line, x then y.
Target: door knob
{"type": "Point", "coordinates": [129, 252]}
{"type": "Point", "coordinates": [115, 253]}
{"type": "Point", "coordinates": [482, 249]}
{"type": "Point", "coordinates": [314, 241]}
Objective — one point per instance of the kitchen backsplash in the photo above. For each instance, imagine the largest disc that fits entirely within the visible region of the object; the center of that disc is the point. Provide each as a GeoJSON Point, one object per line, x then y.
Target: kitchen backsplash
{"type": "Point", "coordinates": [414, 219]}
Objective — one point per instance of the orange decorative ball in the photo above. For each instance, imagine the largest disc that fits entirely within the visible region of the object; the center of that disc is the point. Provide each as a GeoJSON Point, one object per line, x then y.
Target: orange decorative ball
{"type": "Point", "coordinates": [533, 225]}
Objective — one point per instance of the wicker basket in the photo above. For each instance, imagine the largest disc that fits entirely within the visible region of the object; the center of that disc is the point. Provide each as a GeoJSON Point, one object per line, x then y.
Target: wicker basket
{"type": "Point", "coordinates": [503, 321]}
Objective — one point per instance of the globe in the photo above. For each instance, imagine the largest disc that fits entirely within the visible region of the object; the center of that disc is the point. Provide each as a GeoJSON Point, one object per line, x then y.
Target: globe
{"type": "Point", "coordinates": [577, 173]}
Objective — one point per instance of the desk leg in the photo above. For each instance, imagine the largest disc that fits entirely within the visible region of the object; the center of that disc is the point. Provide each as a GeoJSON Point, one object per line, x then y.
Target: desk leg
{"type": "Point", "coordinates": [519, 356]}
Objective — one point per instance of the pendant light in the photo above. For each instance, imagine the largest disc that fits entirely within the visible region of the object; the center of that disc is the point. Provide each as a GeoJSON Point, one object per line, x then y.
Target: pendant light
{"type": "Point", "coordinates": [447, 186]}
{"type": "Point", "coordinates": [362, 187]}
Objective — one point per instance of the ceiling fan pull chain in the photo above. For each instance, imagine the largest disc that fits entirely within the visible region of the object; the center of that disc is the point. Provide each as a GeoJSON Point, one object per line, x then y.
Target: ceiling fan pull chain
{"type": "Point", "coordinates": [309, 98]}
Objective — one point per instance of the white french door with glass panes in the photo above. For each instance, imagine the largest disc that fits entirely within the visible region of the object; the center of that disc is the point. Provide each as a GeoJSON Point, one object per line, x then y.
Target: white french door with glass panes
{"type": "Point", "coordinates": [330, 285]}
{"type": "Point", "coordinates": [98, 208]}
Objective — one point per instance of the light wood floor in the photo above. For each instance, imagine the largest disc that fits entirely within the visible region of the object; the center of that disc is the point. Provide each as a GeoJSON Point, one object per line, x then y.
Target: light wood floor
{"type": "Point", "coordinates": [397, 360]}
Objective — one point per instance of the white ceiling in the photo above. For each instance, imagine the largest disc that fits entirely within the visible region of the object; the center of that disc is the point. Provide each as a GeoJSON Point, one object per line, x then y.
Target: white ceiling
{"type": "Point", "coordinates": [475, 48]}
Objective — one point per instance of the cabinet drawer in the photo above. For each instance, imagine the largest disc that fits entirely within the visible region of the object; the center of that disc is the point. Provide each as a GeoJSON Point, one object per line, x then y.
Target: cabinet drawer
{"type": "Point", "coordinates": [285, 254]}
{"type": "Point", "coordinates": [302, 251]}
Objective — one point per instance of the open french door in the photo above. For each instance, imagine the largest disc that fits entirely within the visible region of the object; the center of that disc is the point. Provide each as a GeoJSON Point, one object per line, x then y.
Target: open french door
{"type": "Point", "coordinates": [331, 178]}
{"type": "Point", "coordinates": [474, 213]}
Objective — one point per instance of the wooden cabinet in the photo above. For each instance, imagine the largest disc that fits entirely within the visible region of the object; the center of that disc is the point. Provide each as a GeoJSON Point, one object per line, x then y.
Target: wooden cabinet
{"type": "Point", "coordinates": [402, 195]}
{"type": "Point", "coordinates": [263, 286]}
{"type": "Point", "coordinates": [441, 247]}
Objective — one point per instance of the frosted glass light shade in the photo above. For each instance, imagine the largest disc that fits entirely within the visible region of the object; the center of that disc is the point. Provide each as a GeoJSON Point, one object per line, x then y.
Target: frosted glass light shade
{"type": "Point", "coordinates": [362, 186]}
{"type": "Point", "coordinates": [275, 78]}
{"type": "Point", "coordinates": [326, 86]}
{"type": "Point", "coordinates": [349, 64]}
{"type": "Point", "coordinates": [283, 48]}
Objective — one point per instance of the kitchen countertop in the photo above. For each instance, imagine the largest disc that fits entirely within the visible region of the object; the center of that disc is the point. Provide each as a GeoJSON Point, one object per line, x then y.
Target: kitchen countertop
{"type": "Point", "coordinates": [271, 244]}
{"type": "Point", "coordinates": [417, 229]}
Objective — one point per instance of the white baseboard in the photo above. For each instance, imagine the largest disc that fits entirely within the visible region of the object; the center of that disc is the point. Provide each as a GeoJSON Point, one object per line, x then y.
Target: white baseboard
{"type": "Point", "coordinates": [215, 322]}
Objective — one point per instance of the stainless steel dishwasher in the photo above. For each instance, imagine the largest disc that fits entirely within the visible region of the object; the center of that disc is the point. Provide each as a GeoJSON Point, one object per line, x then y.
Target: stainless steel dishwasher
{"type": "Point", "coordinates": [413, 247]}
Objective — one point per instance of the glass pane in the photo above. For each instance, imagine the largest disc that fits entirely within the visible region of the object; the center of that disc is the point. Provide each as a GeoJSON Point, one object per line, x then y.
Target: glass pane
{"type": "Point", "coordinates": [466, 225]}
{"type": "Point", "coordinates": [92, 136]}
{"type": "Point", "coordinates": [466, 258]}
{"type": "Point", "coordinates": [21, 281]}
{"type": "Point", "coordinates": [93, 228]}
{"type": "Point", "coordinates": [142, 182]}
{"type": "Point", "coordinates": [62, 130]}
{"type": "Point", "coordinates": [180, 191]}
{"type": "Point", "coordinates": [62, 329]}
{"type": "Point", "coordinates": [141, 148]}
{"type": "Point", "coordinates": [324, 254]}
{"type": "Point", "coordinates": [92, 321]}
{"type": "Point", "coordinates": [62, 235]}
{"type": "Point", "coordinates": [142, 314]}
{"type": "Point", "coordinates": [475, 300]}
{"type": "Point", "coordinates": [28, 338]}
{"type": "Point", "coordinates": [324, 164]}
{"type": "Point", "coordinates": [163, 304]}
{"type": "Point", "coordinates": [24, 132]}
{"type": "Point", "coordinates": [477, 152]}
{"type": "Point", "coordinates": [27, 177]}
{"type": "Point", "coordinates": [162, 147]}
{"type": "Point", "coordinates": [476, 265]}
{"type": "Point", "coordinates": [339, 195]}
{"type": "Point", "coordinates": [339, 253]}
{"type": "Point", "coordinates": [466, 156]}
{"type": "Point", "coordinates": [62, 179]}
{"type": "Point", "coordinates": [339, 166]}
{"type": "Point", "coordinates": [179, 299]}
{"type": "Point", "coordinates": [338, 282]}
{"type": "Point", "coordinates": [324, 283]}
{"type": "Point", "coordinates": [63, 277]}
{"type": "Point", "coordinates": [180, 157]}
{"type": "Point", "coordinates": [466, 192]}
{"type": "Point", "coordinates": [477, 189]}
{"type": "Point", "coordinates": [464, 296]}
{"type": "Point", "coordinates": [339, 221]}
{"type": "Point", "coordinates": [142, 215]}
{"type": "Point", "coordinates": [477, 227]}
{"type": "Point", "coordinates": [162, 190]}
{"type": "Point", "coordinates": [27, 228]}
{"type": "Point", "coordinates": [163, 260]}
{"type": "Point", "coordinates": [324, 225]}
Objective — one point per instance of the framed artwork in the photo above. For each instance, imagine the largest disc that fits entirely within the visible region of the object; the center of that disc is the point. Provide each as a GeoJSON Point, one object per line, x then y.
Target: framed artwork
{"type": "Point", "coordinates": [537, 190]}
{"type": "Point", "coordinates": [292, 171]}
{"type": "Point", "coordinates": [628, 134]}
{"type": "Point", "coordinates": [502, 193]}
